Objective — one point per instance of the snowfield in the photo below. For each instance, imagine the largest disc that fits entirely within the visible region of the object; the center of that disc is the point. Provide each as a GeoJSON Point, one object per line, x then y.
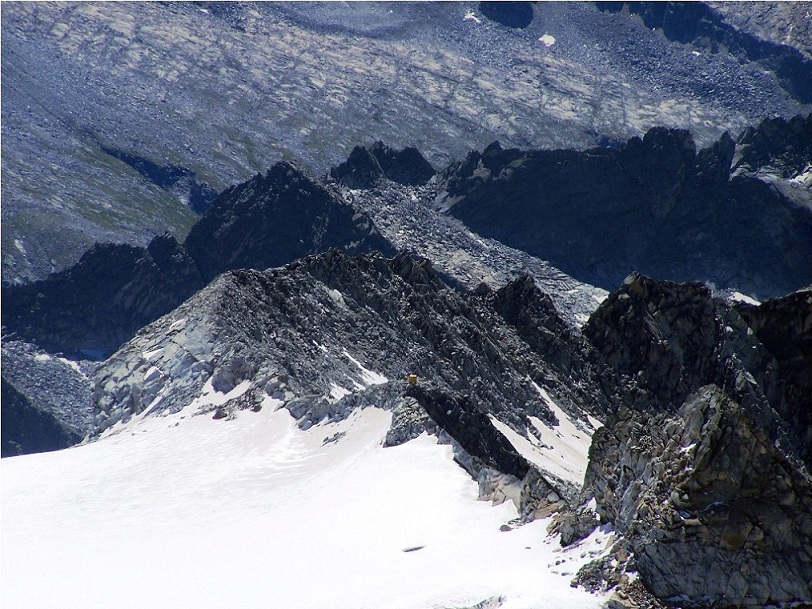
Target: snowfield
{"type": "Point", "coordinates": [185, 511]}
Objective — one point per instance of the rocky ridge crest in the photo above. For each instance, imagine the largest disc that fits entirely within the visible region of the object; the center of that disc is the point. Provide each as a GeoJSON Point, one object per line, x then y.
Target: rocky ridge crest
{"type": "Point", "coordinates": [332, 332]}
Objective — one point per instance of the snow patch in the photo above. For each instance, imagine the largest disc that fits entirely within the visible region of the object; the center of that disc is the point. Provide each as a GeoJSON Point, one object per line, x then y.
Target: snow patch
{"type": "Point", "coordinates": [803, 179]}
{"type": "Point", "coordinates": [337, 391]}
{"type": "Point", "coordinates": [739, 297]}
{"type": "Point", "coordinates": [547, 40]}
{"type": "Point", "coordinates": [71, 364]}
{"type": "Point", "coordinates": [337, 297]}
{"type": "Point", "coordinates": [367, 376]}
{"type": "Point", "coordinates": [42, 357]}
{"type": "Point", "coordinates": [470, 16]}
{"type": "Point", "coordinates": [148, 355]}
{"type": "Point", "coordinates": [177, 325]}
{"type": "Point", "coordinates": [209, 396]}
{"type": "Point", "coordinates": [564, 450]}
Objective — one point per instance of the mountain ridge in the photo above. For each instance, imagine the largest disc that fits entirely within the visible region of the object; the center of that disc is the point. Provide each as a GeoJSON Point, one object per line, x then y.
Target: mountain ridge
{"type": "Point", "coordinates": [236, 230]}
{"type": "Point", "coordinates": [326, 378]}
{"type": "Point", "coordinates": [654, 205]}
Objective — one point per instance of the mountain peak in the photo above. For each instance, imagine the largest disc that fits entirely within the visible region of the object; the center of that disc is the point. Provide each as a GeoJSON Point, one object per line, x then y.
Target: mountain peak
{"type": "Point", "coordinates": [365, 166]}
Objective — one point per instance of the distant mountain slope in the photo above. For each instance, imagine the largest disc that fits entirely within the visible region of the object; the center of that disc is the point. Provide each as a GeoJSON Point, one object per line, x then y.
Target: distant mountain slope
{"type": "Point", "coordinates": [106, 104]}
{"type": "Point", "coordinates": [785, 23]}
{"type": "Point", "coordinates": [705, 26]}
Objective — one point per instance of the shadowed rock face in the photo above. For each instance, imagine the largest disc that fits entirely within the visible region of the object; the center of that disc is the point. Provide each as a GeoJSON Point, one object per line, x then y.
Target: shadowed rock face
{"type": "Point", "coordinates": [27, 429]}
{"type": "Point", "coordinates": [777, 145]}
{"type": "Point", "coordinates": [784, 327]}
{"type": "Point", "coordinates": [656, 206]}
{"type": "Point", "coordinates": [365, 166]}
{"type": "Point", "coordinates": [273, 219]}
{"type": "Point", "coordinates": [179, 181]}
{"type": "Point", "coordinates": [471, 427]}
{"type": "Point", "coordinates": [107, 297]}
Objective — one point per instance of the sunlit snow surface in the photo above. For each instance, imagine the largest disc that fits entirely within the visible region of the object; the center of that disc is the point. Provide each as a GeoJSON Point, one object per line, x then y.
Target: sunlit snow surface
{"type": "Point", "coordinates": [186, 511]}
{"type": "Point", "coordinates": [563, 450]}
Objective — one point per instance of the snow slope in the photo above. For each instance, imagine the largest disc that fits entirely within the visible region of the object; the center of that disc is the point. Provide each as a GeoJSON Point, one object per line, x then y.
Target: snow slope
{"type": "Point", "coordinates": [562, 450]}
{"type": "Point", "coordinates": [186, 511]}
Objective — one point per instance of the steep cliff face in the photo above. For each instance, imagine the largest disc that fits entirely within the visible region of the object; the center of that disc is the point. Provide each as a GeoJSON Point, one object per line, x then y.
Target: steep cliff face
{"type": "Point", "coordinates": [705, 470]}
{"type": "Point", "coordinates": [714, 513]}
{"type": "Point", "coordinates": [784, 327]}
{"type": "Point", "coordinates": [655, 205]}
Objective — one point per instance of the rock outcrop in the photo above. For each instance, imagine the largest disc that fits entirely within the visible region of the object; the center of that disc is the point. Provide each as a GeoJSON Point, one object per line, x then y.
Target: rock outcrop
{"type": "Point", "coordinates": [365, 166]}
{"type": "Point", "coordinates": [396, 312]}
{"type": "Point", "coordinates": [58, 387]}
{"type": "Point", "coordinates": [670, 339]}
{"type": "Point", "coordinates": [705, 471]}
{"type": "Point", "coordinates": [714, 513]}
{"type": "Point", "coordinates": [472, 428]}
